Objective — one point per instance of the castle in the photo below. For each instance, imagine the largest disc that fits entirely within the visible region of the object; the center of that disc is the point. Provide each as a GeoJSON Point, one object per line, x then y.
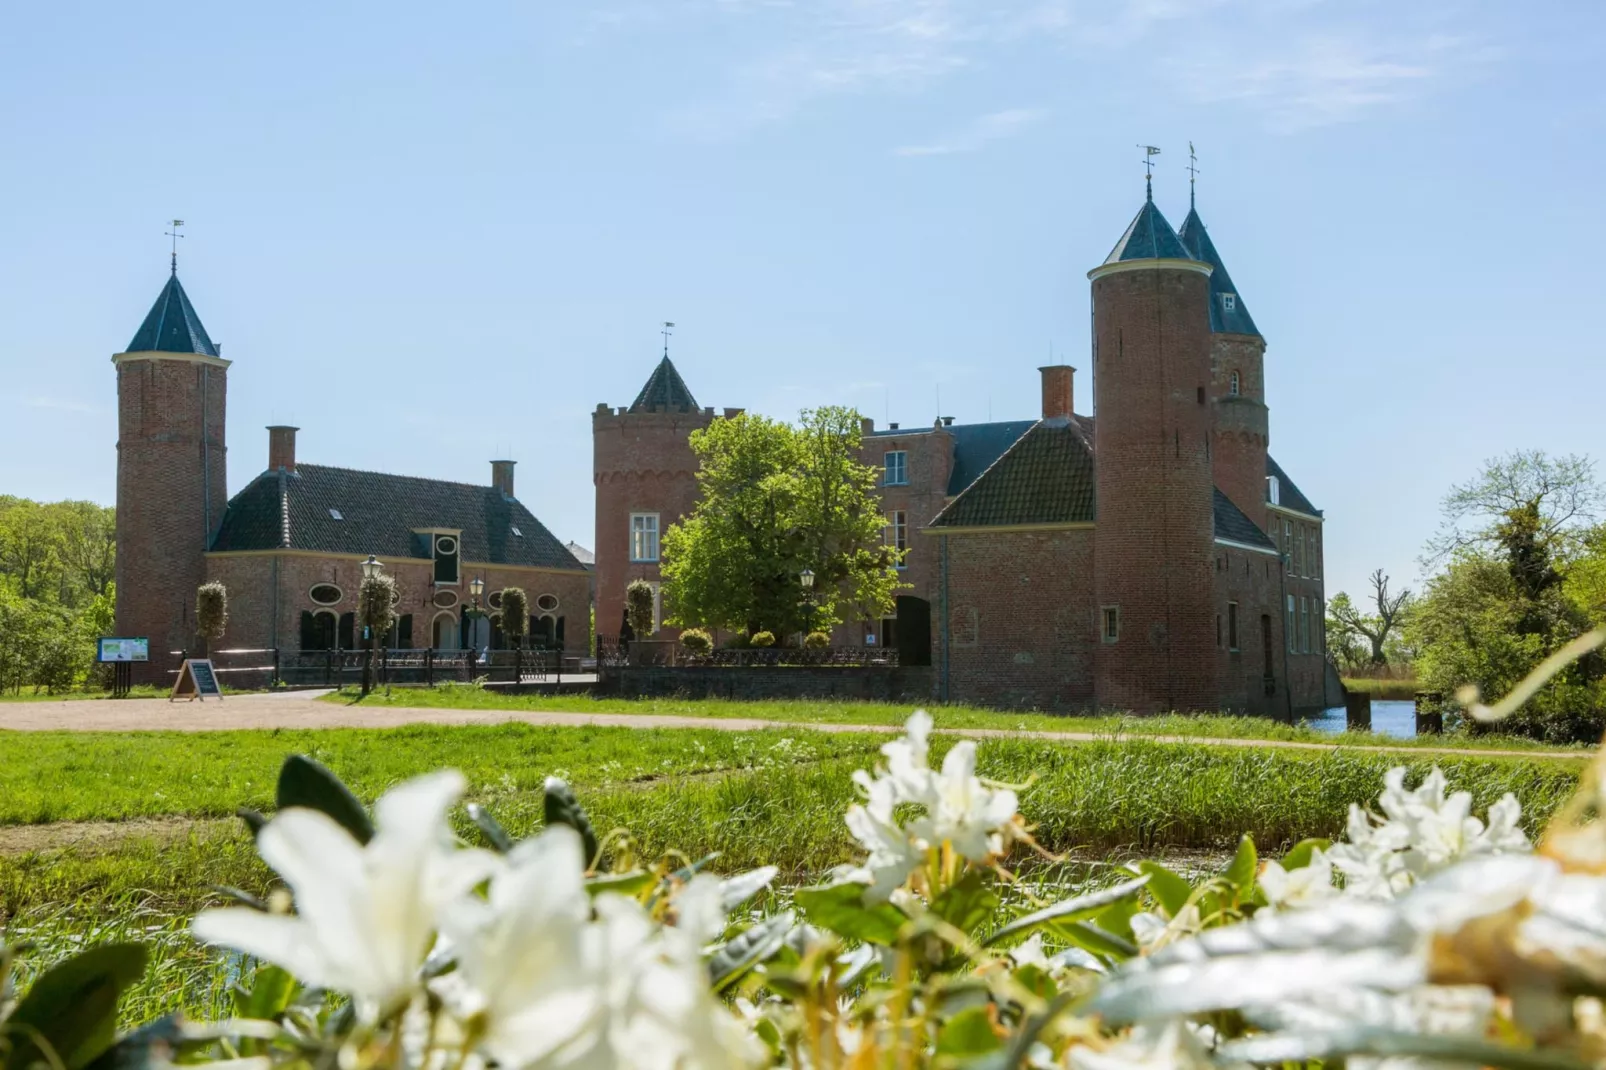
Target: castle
{"type": "Point", "coordinates": [290, 544]}
{"type": "Point", "coordinates": [1154, 557]}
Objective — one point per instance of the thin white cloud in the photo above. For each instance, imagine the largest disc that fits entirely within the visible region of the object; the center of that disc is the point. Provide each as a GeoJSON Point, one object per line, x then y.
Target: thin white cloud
{"type": "Point", "coordinates": [978, 133]}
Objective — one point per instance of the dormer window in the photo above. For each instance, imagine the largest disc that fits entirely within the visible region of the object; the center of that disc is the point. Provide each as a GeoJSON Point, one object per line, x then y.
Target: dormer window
{"type": "Point", "coordinates": [517, 532]}
{"type": "Point", "coordinates": [447, 554]}
{"type": "Point", "coordinates": [1229, 302]}
{"type": "Point", "coordinates": [1234, 385]}
{"type": "Point", "coordinates": [334, 514]}
{"type": "Point", "coordinates": [1274, 490]}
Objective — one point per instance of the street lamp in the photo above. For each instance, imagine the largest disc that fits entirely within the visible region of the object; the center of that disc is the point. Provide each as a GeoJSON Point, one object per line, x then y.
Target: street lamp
{"type": "Point", "coordinates": [370, 571]}
{"type": "Point", "coordinates": [806, 578]}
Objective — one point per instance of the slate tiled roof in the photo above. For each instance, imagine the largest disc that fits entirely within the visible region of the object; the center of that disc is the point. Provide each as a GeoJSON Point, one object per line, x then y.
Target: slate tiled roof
{"type": "Point", "coordinates": [977, 446]}
{"type": "Point", "coordinates": [1045, 477]}
{"type": "Point", "coordinates": [172, 326]}
{"type": "Point", "coordinates": [665, 391]}
{"type": "Point", "coordinates": [581, 554]}
{"type": "Point", "coordinates": [1235, 320]}
{"type": "Point", "coordinates": [379, 515]}
{"type": "Point", "coordinates": [1231, 523]}
{"type": "Point", "coordinates": [1149, 237]}
{"type": "Point", "coordinates": [1291, 496]}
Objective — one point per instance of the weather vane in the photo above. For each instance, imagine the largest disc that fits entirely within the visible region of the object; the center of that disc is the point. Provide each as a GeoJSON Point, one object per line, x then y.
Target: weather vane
{"type": "Point", "coordinates": [1149, 153]}
{"type": "Point", "coordinates": [668, 327]}
{"type": "Point", "coordinates": [175, 235]}
{"type": "Point", "coordinates": [1193, 172]}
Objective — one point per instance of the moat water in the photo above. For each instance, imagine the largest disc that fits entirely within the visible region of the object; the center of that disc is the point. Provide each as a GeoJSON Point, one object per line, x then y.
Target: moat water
{"type": "Point", "coordinates": [1391, 717]}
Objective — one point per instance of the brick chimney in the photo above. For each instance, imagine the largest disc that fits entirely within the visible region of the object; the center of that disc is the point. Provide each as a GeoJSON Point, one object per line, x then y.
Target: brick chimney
{"type": "Point", "coordinates": [282, 448]}
{"type": "Point", "coordinates": [1057, 390]}
{"type": "Point", "coordinates": [502, 477]}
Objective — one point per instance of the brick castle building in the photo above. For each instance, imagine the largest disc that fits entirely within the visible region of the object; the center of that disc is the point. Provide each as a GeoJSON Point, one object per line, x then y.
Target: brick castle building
{"type": "Point", "coordinates": [1151, 557]}
{"type": "Point", "coordinates": [289, 545]}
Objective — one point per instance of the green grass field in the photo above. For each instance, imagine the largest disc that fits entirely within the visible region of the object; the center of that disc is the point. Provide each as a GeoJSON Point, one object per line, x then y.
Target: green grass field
{"type": "Point", "coordinates": [774, 796]}
{"type": "Point", "coordinates": [824, 711]}
{"type": "Point", "coordinates": [1383, 689]}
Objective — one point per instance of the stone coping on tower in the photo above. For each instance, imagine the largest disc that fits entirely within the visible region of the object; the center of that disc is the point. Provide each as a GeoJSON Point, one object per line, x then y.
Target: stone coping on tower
{"type": "Point", "coordinates": [163, 354]}
{"type": "Point", "coordinates": [1151, 264]}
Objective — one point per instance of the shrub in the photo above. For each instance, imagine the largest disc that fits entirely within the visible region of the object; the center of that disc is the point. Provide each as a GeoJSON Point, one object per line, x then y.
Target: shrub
{"type": "Point", "coordinates": [515, 613]}
{"type": "Point", "coordinates": [816, 641]}
{"type": "Point", "coordinates": [211, 612]}
{"type": "Point", "coordinates": [696, 641]}
{"type": "Point", "coordinates": [763, 639]}
{"type": "Point", "coordinates": [738, 641]}
{"type": "Point", "coordinates": [638, 607]}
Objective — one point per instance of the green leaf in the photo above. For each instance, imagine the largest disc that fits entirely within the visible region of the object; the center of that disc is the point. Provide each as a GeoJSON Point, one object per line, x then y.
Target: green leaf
{"type": "Point", "coordinates": [841, 908]}
{"type": "Point", "coordinates": [562, 808]}
{"type": "Point", "coordinates": [748, 949]}
{"type": "Point", "coordinates": [967, 905]}
{"type": "Point", "coordinates": [304, 782]}
{"type": "Point", "coordinates": [1069, 910]}
{"type": "Point", "coordinates": [1169, 889]}
{"type": "Point", "coordinates": [1364, 1041]}
{"type": "Point", "coordinates": [1097, 940]}
{"type": "Point", "coordinates": [490, 828]}
{"type": "Point", "coordinates": [1298, 857]}
{"type": "Point", "coordinates": [270, 993]}
{"type": "Point", "coordinates": [1243, 867]}
{"type": "Point", "coordinates": [72, 1008]}
{"type": "Point", "coordinates": [968, 1033]}
{"type": "Point", "coordinates": [631, 884]}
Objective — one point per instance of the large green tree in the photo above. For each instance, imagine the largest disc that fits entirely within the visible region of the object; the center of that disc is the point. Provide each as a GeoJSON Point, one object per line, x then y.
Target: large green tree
{"type": "Point", "coordinates": [1523, 568]}
{"type": "Point", "coordinates": [57, 562]}
{"type": "Point", "coordinates": [776, 500]}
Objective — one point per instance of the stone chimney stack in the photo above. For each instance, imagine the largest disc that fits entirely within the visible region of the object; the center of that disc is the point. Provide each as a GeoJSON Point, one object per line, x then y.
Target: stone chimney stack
{"type": "Point", "coordinates": [282, 448]}
{"type": "Point", "coordinates": [1057, 394]}
{"type": "Point", "coordinates": [502, 477]}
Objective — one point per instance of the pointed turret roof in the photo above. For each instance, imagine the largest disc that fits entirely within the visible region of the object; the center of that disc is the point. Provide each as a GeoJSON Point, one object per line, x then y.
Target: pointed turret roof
{"type": "Point", "coordinates": [1149, 237]}
{"type": "Point", "coordinates": [172, 325]}
{"type": "Point", "coordinates": [665, 390]}
{"type": "Point", "coordinates": [1223, 320]}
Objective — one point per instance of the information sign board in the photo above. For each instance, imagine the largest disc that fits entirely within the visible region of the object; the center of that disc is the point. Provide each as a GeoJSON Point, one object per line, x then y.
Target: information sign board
{"type": "Point", "coordinates": [116, 650]}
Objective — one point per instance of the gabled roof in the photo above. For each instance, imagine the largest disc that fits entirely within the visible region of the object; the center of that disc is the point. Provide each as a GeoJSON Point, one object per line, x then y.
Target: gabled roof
{"type": "Point", "coordinates": [665, 392]}
{"type": "Point", "coordinates": [379, 513]}
{"type": "Point", "coordinates": [581, 554]}
{"type": "Point", "coordinates": [172, 326]}
{"type": "Point", "coordinates": [1149, 237]}
{"type": "Point", "coordinates": [1045, 477]}
{"type": "Point", "coordinates": [1223, 320]}
{"type": "Point", "coordinates": [977, 446]}
{"type": "Point", "coordinates": [1231, 523]}
{"type": "Point", "coordinates": [1290, 496]}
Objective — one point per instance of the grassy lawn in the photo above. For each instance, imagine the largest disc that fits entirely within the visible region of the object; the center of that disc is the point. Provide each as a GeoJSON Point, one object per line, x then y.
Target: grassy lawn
{"type": "Point", "coordinates": [1384, 689]}
{"type": "Point", "coordinates": [29, 695]}
{"type": "Point", "coordinates": [825, 711]}
{"type": "Point", "coordinates": [774, 796]}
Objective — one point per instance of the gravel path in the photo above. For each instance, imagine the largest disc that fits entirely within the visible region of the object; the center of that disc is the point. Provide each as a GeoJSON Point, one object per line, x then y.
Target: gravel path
{"type": "Point", "coordinates": [299, 709]}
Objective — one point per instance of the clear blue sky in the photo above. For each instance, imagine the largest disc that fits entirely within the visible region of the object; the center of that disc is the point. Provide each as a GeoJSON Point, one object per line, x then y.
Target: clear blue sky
{"type": "Point", "coordinates": [435, 234]}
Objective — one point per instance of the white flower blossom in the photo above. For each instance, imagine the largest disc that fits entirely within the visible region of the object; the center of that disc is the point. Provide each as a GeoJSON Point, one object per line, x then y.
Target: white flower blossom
{"type": "Point", "coordinates": [1030, 953]}
{"type": "Point", "coordinates": [365, 915]}
{"type": "Point", "coordinates": [892, 854]}
{"type": "Point", "coordinates": [962, 811]}
{"type": "Point", "coordinates": [908, 761]}
{"type": "Point", "coordinates": [1303, 887]}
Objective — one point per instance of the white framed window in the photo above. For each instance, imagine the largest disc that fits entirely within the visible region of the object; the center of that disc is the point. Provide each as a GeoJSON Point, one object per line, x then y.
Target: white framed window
{"type": "Point", "coordinates": [1313, 554]}
{"type": "Point", "coordinates": [1229, 301]}
{"type": "Point", "coordinates": [897, 535]}
{"type": "Point", "coordinates": [1288, 546]}
{"type": "Point", "coordinates": [1304, 625]}
{"type": "Point", "coordinates": [895, 470]}
{"type": "Point", "coordinates": [1234, 384]}
{"type": "Point", "coordinates": [1232, 626]}
{"type": "Point", "coordinates": [1288, 627]}
{"type": "Point", "coordinates": [1274, 490]}
{"type": "Point", "coordinates": [644, 537]}
{"type": "Point", "coordinates": [1110, 623]}
{"type": "Point", "coordinates": [325, 594]}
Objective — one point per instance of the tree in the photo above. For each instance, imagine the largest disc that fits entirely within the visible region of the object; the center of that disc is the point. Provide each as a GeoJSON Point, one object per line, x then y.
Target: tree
{"type": "Point", "coordinates": [515, 614]}
{"type": "Point", "coordinates": [1525, 497]}
{"type": "Point", "coordinates": [211, 612]}
{"type": "Point", "coordinates": [1345, 646]}
{"type": "Point", "coordinates": [638, 608]}
{"type": "Point", "coordinates": [775, 500]}
{"type": "Point", "coordinates": [1388, 611]}
{"type": "Point", "coordinates": [376, 613]}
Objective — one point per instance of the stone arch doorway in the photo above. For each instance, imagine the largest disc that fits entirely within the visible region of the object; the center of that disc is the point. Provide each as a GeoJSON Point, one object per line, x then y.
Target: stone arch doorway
{"type": "Point", "coordinates": [914, 630]}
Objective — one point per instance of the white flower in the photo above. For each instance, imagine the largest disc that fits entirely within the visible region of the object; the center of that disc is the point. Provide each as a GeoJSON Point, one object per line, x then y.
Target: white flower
{"type": "Point", "coordinates": [908, 761]}
{"type": "Point", "coordinates": [975, 819]}
{"type": "Point", "coordinates": [365, 915]}
{"type": "Point", "coordinates": [1152, 932]}
{"type": "Point", "coordinates": [892, 854]}
{"type": "Point", "coordinates": [1030, 953]}
{"type": "Point", "coordinates": [1173, 1046]}
{"type": "Point", "coordinates": [1301, 887]}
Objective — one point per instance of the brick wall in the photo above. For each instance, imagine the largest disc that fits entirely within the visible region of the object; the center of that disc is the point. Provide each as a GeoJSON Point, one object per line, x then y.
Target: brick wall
{"type": "Point", "coordinates": [1021, 620]}
{"type": "Point", "coordinates": [641, 463]}
{"type": "Point", "coordinates": [1155, 527]}
{"type": "Point", "coordinates": [1252, 581]}
{"type": "Point", "coordinates": [171, 493]}
{"type": "Point", "coordinates": [752, 683]}
{"type": "Point", "coordinates": [1242, 422]}
{"type": "Point", "coordinates": [930, 454]}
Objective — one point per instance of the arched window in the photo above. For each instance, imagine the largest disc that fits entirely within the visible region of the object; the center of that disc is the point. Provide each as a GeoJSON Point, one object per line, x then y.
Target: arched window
{"type": "Point", "coordinates": [445, 633]}
{"type": "Point", "coordinates": [1233, 385]}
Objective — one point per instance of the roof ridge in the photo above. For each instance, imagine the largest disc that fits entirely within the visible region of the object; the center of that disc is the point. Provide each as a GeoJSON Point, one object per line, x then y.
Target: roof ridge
{"type": "Point", "coordinates": [394, 475]}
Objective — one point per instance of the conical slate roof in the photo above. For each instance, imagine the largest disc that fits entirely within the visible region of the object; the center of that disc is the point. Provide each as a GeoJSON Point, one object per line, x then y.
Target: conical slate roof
{"type": "Point", "coordinates": [172, 325]}
{"type": "Point", "coordinates": [1149, 237]}
{"type": "Point", "coordinates": [1223, 320]}
{"type": "Point", "coordinates": [665, 391]}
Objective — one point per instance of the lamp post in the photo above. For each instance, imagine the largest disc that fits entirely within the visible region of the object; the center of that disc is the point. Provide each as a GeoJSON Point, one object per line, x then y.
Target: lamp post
{"type": "Point", "coordinates": [806, 578]}
{"type": "Point", "coordinates": [370, 570]}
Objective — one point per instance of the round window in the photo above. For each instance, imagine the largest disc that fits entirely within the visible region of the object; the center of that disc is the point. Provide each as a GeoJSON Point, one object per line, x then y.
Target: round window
{"type": "Point", "coordinates": [495, 599]}
{"type": "Point", "coordinates": [445, 545]}
{"type": "Point", "coordinates": [325, 594]}
{"type": "Point", "coordinates": [445, 599]}
{"type": "Point", "coordinates": [547, 602]}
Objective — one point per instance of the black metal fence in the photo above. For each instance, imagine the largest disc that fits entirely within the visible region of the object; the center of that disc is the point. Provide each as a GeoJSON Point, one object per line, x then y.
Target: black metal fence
{"type": "Point", "coordinates": [246, 670]}
{"type": "Point", "coordinates": [611, 653]}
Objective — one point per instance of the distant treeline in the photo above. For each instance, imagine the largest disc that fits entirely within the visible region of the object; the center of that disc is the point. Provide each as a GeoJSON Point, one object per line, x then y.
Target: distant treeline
{"type": "Point", "coordinates": [57, 564]}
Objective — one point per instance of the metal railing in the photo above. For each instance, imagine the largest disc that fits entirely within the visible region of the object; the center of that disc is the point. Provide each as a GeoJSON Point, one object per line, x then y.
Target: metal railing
{"type": "Point", "coordinates": [611, 653]}
{"type": "Point", "coordinates": [427, 666]}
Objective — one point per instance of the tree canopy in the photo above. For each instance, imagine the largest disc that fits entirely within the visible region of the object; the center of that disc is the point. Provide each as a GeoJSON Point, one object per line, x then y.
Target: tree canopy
{"type": "Point", "coordinates": [778, 499]}
{"type": "Point", "coordinates": [57, 564]}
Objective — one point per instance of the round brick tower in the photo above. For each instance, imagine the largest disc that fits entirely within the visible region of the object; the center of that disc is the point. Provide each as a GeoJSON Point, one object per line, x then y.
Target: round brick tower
{"type": "Point", "coordinates": [646, 479]}
{"type": "Point", "coordinates": [1154, 533]}
{"type": "Point", "coordinates": [1238, 384]}
{"type": "Point", "coordinates": [171, 480]}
